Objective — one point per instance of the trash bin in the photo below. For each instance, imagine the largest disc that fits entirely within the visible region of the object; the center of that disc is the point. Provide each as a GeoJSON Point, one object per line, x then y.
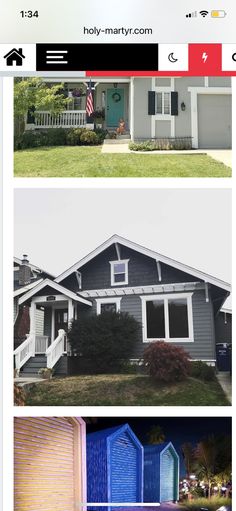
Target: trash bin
{"type": "Point", "coordinates": [223, 356]}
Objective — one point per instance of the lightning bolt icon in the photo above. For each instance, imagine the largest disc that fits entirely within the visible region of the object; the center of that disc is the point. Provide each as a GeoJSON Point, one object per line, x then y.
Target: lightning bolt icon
{"type": "Point", "coordinates": [204, 57]}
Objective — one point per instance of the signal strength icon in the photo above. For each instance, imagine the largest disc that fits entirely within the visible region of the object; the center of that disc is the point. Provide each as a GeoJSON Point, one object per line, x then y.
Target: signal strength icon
{"type": "Point", "coordinates": [204, 13]}
{"type": "Point", "coordinates": [191, 14]}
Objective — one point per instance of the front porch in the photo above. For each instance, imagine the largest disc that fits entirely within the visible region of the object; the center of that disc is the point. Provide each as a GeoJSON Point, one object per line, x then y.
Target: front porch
{"type": "Point", "coordinates": [59, 310]}
{"type": "Point", "coordinates": [111, 103]}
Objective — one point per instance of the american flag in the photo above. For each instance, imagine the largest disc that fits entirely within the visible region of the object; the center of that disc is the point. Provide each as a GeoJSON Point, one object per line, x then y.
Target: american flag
{"type": "Point", "coordinates": [89, 102]}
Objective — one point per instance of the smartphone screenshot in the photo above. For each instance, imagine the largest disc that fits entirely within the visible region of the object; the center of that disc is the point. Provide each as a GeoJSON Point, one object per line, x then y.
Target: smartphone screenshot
{"type": "Point", "coordinates": [117, 141]}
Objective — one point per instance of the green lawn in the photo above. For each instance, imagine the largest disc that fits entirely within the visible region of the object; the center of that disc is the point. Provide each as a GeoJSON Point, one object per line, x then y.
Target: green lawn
{"type": "Point", "coordinates": [90, 162]}
{"type": "Point", "coordinates": [126, 390]}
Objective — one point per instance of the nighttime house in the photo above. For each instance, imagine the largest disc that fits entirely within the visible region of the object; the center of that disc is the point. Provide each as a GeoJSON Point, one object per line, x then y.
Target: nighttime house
{"type": "Point", "coordinates": [161, 473]}
{"type": "Point", "coordinates": [114, 466]}
{"type": "Point", "coordinates": [196, 111]}
{"type": "Point", "coordinates": [49, 463]}
{"type": "Point", "coordinates": [171, 301]}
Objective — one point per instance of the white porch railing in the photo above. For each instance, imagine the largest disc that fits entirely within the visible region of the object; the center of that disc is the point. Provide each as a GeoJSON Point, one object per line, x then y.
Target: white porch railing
{"type": "Point", "coordinates": [41, 344]}
{"type": "Point", "coordinates": [56, 350]}
{"type": "Point", "coordinates": [67, 119]}
{"type": "Point", "coordinates": [25, 351]}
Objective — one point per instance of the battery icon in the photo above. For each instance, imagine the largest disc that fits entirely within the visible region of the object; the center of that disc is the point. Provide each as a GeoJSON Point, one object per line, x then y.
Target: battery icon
{"type": "Point", "coordinates": [218, 14]}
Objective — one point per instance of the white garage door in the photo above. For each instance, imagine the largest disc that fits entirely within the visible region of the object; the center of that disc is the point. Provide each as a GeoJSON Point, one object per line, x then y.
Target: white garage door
{"type": "Point", "coordinates": [44, 464]}
{"type": "Point", "coordinates": [214, 121]}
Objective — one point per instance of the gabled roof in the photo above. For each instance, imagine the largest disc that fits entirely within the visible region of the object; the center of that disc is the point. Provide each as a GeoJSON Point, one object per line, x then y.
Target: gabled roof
{"type": "Point", "coordinates": [18, 261]}
{"type": "Point", "coordinates": [112, 433]}
{"type": "Point", "coordinates": [150, 253]}
{"type": "Point", "coordinates": [160, 448]}
{"type": "Point", "coordinates": [23, 289]}
{"type": "Point", "coordinates": [63, 290]}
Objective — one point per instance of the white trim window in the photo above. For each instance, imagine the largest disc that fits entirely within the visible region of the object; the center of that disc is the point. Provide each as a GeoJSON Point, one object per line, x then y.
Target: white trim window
{"type": "Point", "coordinates": [163, 103]}
{"type": "Point", "coordinates": [108, 305]}
{"type": "Point", "coordinates": [167, 317]}
{"type": "Point", "coordinates": [119, 272]}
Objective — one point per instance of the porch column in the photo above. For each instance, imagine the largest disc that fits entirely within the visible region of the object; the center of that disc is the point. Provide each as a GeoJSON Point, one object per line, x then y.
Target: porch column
{"type": "Point", "coordinates": [32, 313]}
{"type": "Point", "coordinates": [70, 312]}
{"type": "Point", "coordinates": [131, 106]}
{"type": "Point", "coordinates": [53, 337]}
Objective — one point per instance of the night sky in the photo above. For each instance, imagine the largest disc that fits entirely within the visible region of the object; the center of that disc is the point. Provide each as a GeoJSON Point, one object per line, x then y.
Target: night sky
{"type": "Point", "coordinates": [176, 429]}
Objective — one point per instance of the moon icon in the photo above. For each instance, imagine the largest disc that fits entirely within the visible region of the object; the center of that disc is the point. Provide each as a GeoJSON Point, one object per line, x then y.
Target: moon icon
{"type": "Point", "coordinates": [171, 58]}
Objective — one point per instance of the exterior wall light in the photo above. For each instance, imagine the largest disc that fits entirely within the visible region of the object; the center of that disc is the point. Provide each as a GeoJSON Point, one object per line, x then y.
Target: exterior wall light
{"type": "Point", "coordinates": [183, 106]}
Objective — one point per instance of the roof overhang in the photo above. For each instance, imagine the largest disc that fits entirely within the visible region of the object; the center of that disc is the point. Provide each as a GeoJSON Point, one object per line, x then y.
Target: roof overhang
{"type": "Point", "coordinates": [24, 289]}
{"type": "Point", "coordinates": [149, 253]}
{"type": "Point", "coordinates": [57, 287]}
{"type": "Point", "coordinates": [18, 261]}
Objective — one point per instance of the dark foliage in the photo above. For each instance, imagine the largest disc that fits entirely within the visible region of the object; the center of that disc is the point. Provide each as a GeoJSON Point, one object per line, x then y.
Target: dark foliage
{"type": "Point", "coordinates": [106, 340]}
{"type": "Point", "coordinates": [201, 370]}
{"type": "Point", "coordinates": [165, 362]}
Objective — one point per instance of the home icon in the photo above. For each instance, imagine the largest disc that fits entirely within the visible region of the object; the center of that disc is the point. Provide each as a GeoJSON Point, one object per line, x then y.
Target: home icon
{"type": "Point", "coordinates": [14, 56]}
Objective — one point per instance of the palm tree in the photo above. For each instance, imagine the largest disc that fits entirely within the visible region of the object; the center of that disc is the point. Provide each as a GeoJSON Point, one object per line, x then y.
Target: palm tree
{"type": "Point", "coordinates": [206, 460]}
{"type": "Point", "coordinates": [188, 455]}
{"type": "Point", "coordinates": [155, 435]}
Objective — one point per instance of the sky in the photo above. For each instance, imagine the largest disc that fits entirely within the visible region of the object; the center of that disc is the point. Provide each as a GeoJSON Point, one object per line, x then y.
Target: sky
{"type": "Point", "coordinates": [57, 227]}
{"type": "Point", "coordinates": [176, 429]}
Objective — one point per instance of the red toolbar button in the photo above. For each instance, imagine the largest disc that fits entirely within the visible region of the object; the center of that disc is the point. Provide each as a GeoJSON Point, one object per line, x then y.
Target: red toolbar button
{"type": "Point", "coordinates": [205, 59]}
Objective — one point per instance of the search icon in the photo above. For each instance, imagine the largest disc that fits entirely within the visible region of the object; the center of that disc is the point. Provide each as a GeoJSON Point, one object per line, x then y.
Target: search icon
{"type": "Point", "coordinates": [234, 57]}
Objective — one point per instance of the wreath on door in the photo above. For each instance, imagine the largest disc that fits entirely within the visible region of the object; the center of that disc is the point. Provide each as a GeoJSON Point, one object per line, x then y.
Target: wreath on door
{"type": "Point", "coordinates": [116, 97]}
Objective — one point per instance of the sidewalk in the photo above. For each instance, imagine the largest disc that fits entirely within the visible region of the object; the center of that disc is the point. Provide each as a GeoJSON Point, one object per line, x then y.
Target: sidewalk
{"type": "Point", "coordinates": [225, 381]}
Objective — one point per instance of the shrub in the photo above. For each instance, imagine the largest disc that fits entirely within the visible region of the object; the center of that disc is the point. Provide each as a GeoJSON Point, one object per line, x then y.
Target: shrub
{"type": "Point", "coordinates": [107, 339]}
{"type": "Point", "coordinates": [209, 504]}
{"type": "Point", "coordinates": [73, 136]}
{"type": "Point", "coordinates": [31, 139]}
{"type": "Point", "coordinates": [164, 144]}
{"type": "Point", "coordinates": [201, 370]}
{"type": "Point", "coordinates": [54, 137]}
{"type": "Point", "coordinates": [101, 134]}
{"type": "Point", "coordinates": [19, 396]}
{"type": "Point", "coordinates": [89, 138]}
{"type": "Point", "coordinates": [165, 362]}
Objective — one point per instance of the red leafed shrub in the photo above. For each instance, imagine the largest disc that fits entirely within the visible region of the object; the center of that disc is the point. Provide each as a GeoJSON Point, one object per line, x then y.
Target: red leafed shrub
{"type": "Point", "coordinates": [165, 362]}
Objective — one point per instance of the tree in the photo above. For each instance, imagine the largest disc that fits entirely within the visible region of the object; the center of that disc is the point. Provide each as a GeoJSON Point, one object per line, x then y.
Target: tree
{"type": "Point", "coordinates": [206, 460]}
{"type": "Point", "coordinates": [105, 340]}
{"type": "Point", "coordinates": [156, 435]}
{"type": "Point", "coordinates": [188, 455]}
{"type": "Point", "coordinates": [32, 94]}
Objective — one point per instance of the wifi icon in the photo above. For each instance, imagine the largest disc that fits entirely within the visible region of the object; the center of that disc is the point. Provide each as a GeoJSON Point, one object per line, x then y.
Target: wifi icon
{"type": "Point", "coordinates": [204, 13]}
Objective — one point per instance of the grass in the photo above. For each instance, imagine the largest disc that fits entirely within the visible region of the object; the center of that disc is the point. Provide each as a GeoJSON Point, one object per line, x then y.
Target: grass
{"type": "Point", "coordinates": [90, 162]}
{"type": "Point", "coordinates": [124, 389]}
{"type": "Point", "coordinates": [210, 504]}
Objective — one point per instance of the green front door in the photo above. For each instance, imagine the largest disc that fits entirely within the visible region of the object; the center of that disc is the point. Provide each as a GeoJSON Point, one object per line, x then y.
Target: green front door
{"type": "Point", "coordinates": [115, 107]}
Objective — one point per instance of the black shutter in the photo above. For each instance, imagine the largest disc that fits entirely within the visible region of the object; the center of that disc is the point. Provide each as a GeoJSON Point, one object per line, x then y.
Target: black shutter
{"type": "Point", "coordinates": [174, 103]}
{"type": "Point", "coordinates": [151, 102]}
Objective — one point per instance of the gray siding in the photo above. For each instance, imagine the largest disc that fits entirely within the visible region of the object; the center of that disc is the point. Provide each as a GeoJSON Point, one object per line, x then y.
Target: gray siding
{"type": "Point", "coordinates": [142, 271]}
{"type": "Point", "coordinates": [219, 81]}
{"type": "Point", "coordinates": [223, 327]}
{"type": "Point", "coordinates": [142, 121]}
{"type": "Point", "coordinates": [203, 346]}
{"type": "Point", "coordinates": [163, 129]}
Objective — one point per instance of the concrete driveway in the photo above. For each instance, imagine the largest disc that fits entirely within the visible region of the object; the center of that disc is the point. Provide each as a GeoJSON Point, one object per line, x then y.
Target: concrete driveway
{"type": "Point", "coordinates": [222, 155]}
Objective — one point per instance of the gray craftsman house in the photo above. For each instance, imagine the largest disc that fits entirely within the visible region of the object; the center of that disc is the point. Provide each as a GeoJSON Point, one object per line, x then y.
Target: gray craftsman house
{"type": "Point", "coordinates": [170, 300]}
{"type": "Point", "coordinates": [196, 110]}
